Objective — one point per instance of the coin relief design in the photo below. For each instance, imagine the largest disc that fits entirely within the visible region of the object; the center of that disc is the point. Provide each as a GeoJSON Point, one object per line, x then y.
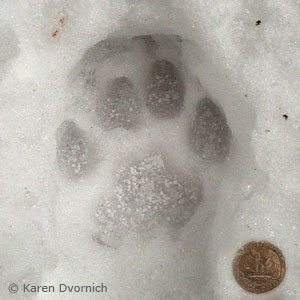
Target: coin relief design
{"type": "Point", "coordinates": [259, 267]}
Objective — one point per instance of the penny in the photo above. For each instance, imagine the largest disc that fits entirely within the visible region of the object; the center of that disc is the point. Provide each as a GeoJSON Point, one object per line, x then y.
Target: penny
{"type": "Point", "coordinates": [259, 267]}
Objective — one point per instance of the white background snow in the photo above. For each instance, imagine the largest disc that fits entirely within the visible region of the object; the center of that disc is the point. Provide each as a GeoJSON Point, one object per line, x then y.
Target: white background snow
{"type": "Point", "coordinates": [47, 221]}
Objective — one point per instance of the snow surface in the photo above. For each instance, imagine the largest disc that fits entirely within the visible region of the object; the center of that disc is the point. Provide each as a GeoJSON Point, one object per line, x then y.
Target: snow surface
{"type": "Point", "coordinates": [58, 62]}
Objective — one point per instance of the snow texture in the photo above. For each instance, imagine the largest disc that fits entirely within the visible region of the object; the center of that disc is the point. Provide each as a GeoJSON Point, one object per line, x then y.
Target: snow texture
{"type": "Point", "coordinates": [142, 143]}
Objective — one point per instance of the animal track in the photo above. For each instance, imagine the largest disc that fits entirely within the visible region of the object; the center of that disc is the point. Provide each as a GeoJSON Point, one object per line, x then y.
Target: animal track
{"type": "Point", "coordinates": [209, 135]}
{"type": "Point", "coordinates": [120, 107]}
{"type": "Point", "coordinates": [73, 150]}
{"type": "Point", "coordinates": [146, 194]}
{"type": "Point", "coordinates": [165, 90]}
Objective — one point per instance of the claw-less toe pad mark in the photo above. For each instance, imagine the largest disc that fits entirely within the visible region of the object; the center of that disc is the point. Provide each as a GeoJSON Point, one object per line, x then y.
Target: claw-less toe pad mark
{"type": "Point", "coordinates": [165, 90]}
{"type": "Point", "coordinates": [209, 134]}
{"type": "Point", "coordinates": [120, 107]}
{"type": "Point", "coordinates": [146, 194]}
{"type": "Point", "coordinates": [73, 151]}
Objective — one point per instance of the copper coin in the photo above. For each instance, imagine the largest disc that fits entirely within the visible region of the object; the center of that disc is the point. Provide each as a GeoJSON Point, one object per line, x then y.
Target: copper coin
{"type": "Point", "coordinates": [259, 267]}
